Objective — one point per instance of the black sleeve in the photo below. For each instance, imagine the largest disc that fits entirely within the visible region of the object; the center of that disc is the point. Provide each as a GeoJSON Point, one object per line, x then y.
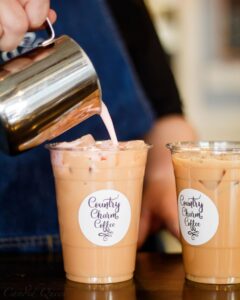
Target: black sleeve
{"type": "Point", "coordinates": [147, 55]}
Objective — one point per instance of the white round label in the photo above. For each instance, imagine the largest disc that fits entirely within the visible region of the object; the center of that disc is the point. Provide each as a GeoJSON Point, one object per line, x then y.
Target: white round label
{"type": "Point", "coordinates": [198, 216]}
{"type": "Point", "coordinates": [104, 217]}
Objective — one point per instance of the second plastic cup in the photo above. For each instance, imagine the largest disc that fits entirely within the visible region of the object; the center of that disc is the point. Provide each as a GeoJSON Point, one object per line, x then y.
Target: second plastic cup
{"type": "Point", "coordinates": [208, 188]}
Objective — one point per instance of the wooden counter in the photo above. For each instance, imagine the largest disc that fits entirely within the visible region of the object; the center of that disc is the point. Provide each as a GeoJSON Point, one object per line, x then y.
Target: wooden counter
{"type": "Point", "coordinates": [157, 277]}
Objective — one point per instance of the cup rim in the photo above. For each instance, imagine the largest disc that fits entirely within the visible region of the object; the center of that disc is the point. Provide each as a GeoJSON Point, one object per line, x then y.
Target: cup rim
{"type": "Point", "coordinates": [57, 146]}
{"type": "Point", "coordinates": [219, 146]}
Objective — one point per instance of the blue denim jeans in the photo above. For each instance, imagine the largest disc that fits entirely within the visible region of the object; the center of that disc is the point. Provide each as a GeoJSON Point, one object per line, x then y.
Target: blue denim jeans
{"type": "Point", "coordinates": [34, 244]}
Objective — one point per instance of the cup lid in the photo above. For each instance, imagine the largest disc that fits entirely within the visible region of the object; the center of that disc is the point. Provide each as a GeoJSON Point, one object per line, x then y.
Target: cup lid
{"type": "Point", "coordinates": [207, 146]}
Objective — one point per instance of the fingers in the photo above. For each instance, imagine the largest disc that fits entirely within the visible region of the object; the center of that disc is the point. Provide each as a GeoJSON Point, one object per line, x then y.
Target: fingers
{"type": "Point", "coordinates": [37, 11]}
{"type": "Point", "coordinates": [52, 16]}
{"type": "Point", "coordinates": [165, 209]}
{"type": "Point", "coordinates": [13, 24]}
{"type": "Point", "coordinates": [155, 218]}
{"type": "Point", "coordinates": [19, 16]}
{"type": "Point", "coordinates": [159, 210]}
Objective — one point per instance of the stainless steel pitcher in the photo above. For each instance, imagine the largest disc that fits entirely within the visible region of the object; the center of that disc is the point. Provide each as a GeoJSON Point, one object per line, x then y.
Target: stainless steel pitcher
{"type": "Point", "coordinates": [46, 92]}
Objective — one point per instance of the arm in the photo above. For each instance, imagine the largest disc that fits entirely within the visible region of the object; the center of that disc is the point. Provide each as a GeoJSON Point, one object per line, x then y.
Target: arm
{"type": "Point", "coordinates": [159, 207]}
{"type": "Point", "coordinates": [18, 16]}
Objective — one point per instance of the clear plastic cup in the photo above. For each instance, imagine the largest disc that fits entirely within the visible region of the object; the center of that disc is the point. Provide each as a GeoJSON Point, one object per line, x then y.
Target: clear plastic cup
{"type": "Point", "coordinates": [99, 194]}
{"type": "Point", "coordinates": [208, 187]}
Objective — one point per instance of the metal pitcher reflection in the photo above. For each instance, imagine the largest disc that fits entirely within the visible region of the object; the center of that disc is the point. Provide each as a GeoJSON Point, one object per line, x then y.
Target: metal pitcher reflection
{"type": "Point", "coordinates": [45, 92]}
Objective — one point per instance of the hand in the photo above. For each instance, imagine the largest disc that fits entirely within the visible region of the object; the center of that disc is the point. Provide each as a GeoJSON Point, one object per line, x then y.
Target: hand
{"type": "Point", "coordinates": [159, 206]}
{"type": "Point", "coordinates": [19, 16]}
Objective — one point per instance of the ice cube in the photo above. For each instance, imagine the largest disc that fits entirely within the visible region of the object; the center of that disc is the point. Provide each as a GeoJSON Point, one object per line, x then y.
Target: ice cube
{"type": "Point", "coordinates": [210, 185]}
{"type": "Point", "coordinates": [135, 144]}
{"type": "Point", "coordinates": [85, 141]}
{"type": "Point", "coordinates": [106, 145]}
{"type": "Point", "coordinates": [213, 184]}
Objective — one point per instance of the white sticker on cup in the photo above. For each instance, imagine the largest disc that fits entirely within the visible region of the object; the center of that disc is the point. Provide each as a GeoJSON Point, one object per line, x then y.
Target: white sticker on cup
{"type": "Point", "coordinates": [104, 217]}
{"type": "Point", "coordinates": [198, 216]}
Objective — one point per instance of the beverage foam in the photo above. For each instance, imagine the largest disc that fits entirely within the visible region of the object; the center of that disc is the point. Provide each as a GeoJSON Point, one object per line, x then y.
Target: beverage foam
{"type": "Point", "coordinates": [87, 142]}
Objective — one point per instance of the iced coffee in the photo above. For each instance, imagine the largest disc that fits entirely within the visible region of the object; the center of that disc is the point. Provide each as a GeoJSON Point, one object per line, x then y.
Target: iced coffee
{"type": "Point", "coordinates": [99, 191]}
{"type": "Point", "coordinates": [208, 188]}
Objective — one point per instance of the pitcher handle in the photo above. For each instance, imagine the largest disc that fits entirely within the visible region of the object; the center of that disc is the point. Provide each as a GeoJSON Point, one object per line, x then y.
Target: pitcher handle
{"type": "Point", "coordinates": [51, 34]}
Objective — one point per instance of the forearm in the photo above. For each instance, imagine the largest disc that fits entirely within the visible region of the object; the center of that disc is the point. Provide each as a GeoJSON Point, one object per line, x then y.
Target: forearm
{"type": "Point", "coordinates": [168, 129]}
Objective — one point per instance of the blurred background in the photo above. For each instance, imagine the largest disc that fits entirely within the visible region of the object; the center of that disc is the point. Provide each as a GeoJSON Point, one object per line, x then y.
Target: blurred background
{"type": "Point", "coordinates": [202, 38]}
